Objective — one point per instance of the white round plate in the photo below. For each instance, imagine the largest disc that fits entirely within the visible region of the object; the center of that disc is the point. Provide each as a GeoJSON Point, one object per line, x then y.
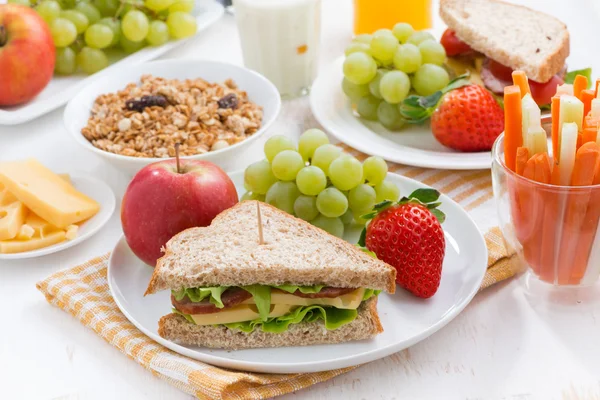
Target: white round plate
{"type": "Point", "coordinates": [406, 319]}
{"type": "Point", "coordinates": [413, 145]}
{"type": "Point", "coordinates": [93, 188]}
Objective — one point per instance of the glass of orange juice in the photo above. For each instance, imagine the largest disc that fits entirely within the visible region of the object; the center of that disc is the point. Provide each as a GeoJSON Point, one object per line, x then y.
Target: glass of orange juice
{"type": "Point", "coordinates": [370, 15]}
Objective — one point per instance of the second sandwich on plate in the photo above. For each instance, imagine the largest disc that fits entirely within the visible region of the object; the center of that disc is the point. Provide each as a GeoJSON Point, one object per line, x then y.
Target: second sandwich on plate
{"type": "Point", "coordinates": [235, 286]}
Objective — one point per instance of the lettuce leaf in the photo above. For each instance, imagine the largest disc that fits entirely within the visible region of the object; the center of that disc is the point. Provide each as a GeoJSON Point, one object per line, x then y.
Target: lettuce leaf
{"type": "Point", "coordinates": [587, 72]}
{"type": "Point", "coordinates": [332, 317]}
{"type": "Point", "coordinates": [262, 299]}
{"type": "Point", "coordinates": [186, 316]}
{"type": "Point", "coordinates": [370, 293]}
{"type": "Point", "coordinates": [198, 294]}
{"type": "Point", "coordinates": [302, 289]}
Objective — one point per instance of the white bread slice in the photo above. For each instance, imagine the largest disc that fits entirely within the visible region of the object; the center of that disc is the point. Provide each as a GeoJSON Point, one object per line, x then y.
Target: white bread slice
{"type": "Point", "coordinates": [175, 328]}
{"type": "Point", "coordinates": [227, 253]}
{"type": "Point", "coordinates": [513, 35]}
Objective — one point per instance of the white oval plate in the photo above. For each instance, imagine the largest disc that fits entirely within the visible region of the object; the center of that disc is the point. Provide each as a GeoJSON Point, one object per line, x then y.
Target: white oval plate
{"type": "Point", "coordinates": [62, 88]}
{"type": "Point", "coordinates": [406, 319]}
{"type": "Point", "coordinates": [413, 145]}
{"type": "Point", "coordinates": [91, 187]}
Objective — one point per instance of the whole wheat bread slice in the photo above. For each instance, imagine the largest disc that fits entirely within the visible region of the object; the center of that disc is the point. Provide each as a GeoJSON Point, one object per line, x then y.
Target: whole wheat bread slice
{"type": "Point", "coordinates": [228, 253]}
{"type": "Point", "coordinates": [175, 328]}
{"type": "Point", "coordinates": [513, 35]}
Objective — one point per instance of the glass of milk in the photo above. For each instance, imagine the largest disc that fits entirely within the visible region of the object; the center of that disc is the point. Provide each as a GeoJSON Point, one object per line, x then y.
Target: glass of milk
{"type": "Point", "coordinates": [280, 39]}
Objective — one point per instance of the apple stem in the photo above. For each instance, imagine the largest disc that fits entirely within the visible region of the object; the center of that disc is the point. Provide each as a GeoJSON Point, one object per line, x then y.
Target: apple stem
{"type": "Point", "coordinates": [2, 35]}
{"type": "Point", "coordinates": [177, 156]}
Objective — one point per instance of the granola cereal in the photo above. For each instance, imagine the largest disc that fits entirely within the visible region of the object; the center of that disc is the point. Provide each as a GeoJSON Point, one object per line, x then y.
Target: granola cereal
{"type": "Point", "coordinates": [147, 120]}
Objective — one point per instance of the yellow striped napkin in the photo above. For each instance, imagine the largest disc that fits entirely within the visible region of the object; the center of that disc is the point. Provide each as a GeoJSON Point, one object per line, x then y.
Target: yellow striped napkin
{"type": "Point", "coordinates": [83, 292]}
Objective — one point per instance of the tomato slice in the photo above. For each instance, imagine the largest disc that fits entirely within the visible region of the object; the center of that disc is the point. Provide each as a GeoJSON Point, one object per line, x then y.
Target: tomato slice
{"type": "Point", "coordinates": [500, 71]}
{"type": "Point", "coordinates": [453, 45]}
{"type": "Point", "coordinates": [542, 92]}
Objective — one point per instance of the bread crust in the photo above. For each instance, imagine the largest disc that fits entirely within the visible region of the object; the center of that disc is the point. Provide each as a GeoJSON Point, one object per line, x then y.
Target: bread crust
{"type": "Point", "coordinates": [177, 329]}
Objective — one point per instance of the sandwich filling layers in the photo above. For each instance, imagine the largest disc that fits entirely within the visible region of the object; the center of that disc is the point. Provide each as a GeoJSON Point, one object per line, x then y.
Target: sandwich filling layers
{"type": "Point", "coordinates": [269, 308]}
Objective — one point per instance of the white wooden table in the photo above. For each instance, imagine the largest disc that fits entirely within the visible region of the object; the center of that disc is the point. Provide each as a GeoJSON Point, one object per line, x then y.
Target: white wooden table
{"type": "Point", "coordinates": [505, 345]}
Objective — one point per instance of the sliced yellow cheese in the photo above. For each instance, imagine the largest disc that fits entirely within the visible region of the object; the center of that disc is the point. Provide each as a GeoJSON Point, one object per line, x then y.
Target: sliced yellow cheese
{"type": "Point", "coordinates": [243, 312]}
{"type": "Point", "coordinates": [12, 217]}
{"type": "Point", "coordinates": [26, 232]}
{"type": "Point", "coordinates": [6, 197]}
{"type": "Point", "coordinates": [348, 301]}
{"type": "Point", "coordinates": [72, 232]}
{"type": "Point", "coordinates": [40, 226]}
{"type": "Point", "coordinates": [45, 193]}
{"type": "Point", "coordinates": [36, 242]}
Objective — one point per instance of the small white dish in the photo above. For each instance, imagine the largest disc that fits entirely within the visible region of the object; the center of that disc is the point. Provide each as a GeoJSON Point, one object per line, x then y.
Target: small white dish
{"type": "Point", "coordinates": [93, 188]}
{"type": "Point", "coordinates": [62, 88]}
{"type": "Point", "coordinates": [260, 91]}
{"type": "Point", "coordinates": [413, 145]}
{"type": "Point", "coordinates": [406, 319]}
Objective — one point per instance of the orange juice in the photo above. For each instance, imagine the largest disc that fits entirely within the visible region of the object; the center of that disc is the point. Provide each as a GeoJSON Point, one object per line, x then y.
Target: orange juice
{"type": "Point", "coordinates": [370, 15]}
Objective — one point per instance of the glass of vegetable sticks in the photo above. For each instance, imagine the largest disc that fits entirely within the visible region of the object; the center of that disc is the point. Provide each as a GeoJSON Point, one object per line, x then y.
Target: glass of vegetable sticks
{"type": "Point", "coordinates": [547, 182]}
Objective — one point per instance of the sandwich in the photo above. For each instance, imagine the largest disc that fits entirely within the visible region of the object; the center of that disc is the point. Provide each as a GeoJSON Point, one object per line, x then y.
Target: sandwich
{"type": "Point", "coordinates": [259, 277]}
{"type": "Point", "coordinates": [491, 38]}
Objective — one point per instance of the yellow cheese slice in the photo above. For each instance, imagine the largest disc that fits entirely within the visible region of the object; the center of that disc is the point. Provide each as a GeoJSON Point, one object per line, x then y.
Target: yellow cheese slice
{"type": "Point", "coordinates": [6, 197]}
{"type": "Point", "coordinates": [36, 242]}
{"type": "Point", "coordinates": [238, 314]}
{"type": "Point", "coordinates": [348, 301]}
{"type": "Point", "coordinates": [45, 193]}
{"type": "Point", "coordinates": [12, 217]}
{"type": "Point", "coordinates": [39, 225]}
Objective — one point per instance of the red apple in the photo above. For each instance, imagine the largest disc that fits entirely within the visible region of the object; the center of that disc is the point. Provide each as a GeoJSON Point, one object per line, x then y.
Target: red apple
{"type": "Point", "coordinates": [27, 54]}
{"type": "Point", "coordinates": [161, 201]}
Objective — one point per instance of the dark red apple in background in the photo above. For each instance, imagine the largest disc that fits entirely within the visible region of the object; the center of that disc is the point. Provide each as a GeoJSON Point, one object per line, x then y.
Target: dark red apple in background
{"type": "Point", "coordinates": [161, 202]}
{"type": "Point", "coordinates": [27, 54]}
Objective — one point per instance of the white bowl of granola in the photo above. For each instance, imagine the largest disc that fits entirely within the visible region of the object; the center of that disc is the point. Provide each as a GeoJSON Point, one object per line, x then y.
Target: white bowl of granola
{"type": "Point", "coordinates": [136, 115]}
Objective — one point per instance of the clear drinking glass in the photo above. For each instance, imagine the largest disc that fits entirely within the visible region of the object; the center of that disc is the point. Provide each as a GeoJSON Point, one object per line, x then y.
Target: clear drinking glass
{"type": "Point", "coordinates": [554, 229]}
{"type": "Point", "coordinates": [280, 40]}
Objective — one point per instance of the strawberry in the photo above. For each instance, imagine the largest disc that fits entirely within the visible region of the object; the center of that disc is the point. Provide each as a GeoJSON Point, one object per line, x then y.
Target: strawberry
{"type": "Point", "coordinates": [464, 116]}
{"type": "Point", "coordinates": [408, 235]}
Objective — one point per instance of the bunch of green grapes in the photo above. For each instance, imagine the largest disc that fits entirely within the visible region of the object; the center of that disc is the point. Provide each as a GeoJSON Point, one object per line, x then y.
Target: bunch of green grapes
{"type": "Point", "coordinates": [317, 182]}
{"type": "Point", "coordinates": [382, 69]}
{"type": "Point", "coordinates": [83, 30]}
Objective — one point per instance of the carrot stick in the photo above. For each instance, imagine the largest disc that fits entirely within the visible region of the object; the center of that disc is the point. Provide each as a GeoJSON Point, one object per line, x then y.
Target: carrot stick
{"type": "Point", "coordinates": [520, 79]}
{"type": "Point", "coordinates": [579, 84]}
{"type": "Point", "coordinates": [555, 179]}
{"type": "Point", "coordinates": [513, 137]}
{"type": "Point", "coordinates": [586, 162]}
{"type": "Point", "coordinates": [597, 84]}
{"type": "Point", "coordinates": [522, 158]}
{"type": "Point", "coordinates": [589, 134]}
{"type": "Point", "coordinates": [555, 110]}
{"type": "Point", "coordinates": [579, 140]}
{"type": "Point", "coordinates": [542, 168]}
{"type": "Point", "coordinates": [587, 96]}
{"type": "Point", "coordinates": [533, 249]}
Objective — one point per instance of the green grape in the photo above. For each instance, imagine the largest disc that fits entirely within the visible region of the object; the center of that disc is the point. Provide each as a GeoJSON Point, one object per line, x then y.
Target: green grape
{"type": "Point", "coordinates": [332, 203]}
{"type": "Point", "coordinates": [374, 84]}
{"type": "Point", "coordinates": [347, 217]}
{"type": "Point", "coordinates": [287, 164]}
{"type": "Point", "coordinates": [367, 107]}
{"type": "Point", "coordinates": [358, 219]}
{"type": "Point", "coordinates": [66, 4]}
{"type": "Point", "coordinates": [49, 10]}
{"type": "Point", "coordinates": [407, 58]}
{"type": "Point", "coordinates": [115, 26]}
{"type": "Point", "coordinates": [158, 5]}
{"type": "Point", "coordinates": [311, 180]}
{"type": "Point", "coordinates": [259, 177]}
{"type": "Point", "coordinates": [374, 170]}
{"type": "Point", "coordinates": [181, 25]}
{"type": "Point", "coordinates": [384, 31]}
{"type": "Point", "coordinates": [305, 207]}
{"type": "Point", "coordinates": [403, 31]}
{"type": "Point", "coordinates": [253, 196]}
{"type": "Point", "coordinates": [356, 47]}
{"type": "Point", "coordinates": [25, 3]}
{"type": "Point", "coordinates": [63, 32]}
{"type": "Point", "coordinates": [418, 37]}
{"type": "Point", "coordinates": [131, 5]}
{"type": "Point", "coordinates": [394, 86]}
{"type": "Point", "coordinates": [107, 8]}
{"type": "Point", "coordinates": [362, 198]}
{"type": "Point", "coordinates": [363, 38]}
{"type": "Point", "coordinates": [432, 52]}
{"type": "Point", "coordinates": [134, 25]}
{"type": "Point", "coordinates": [360, 68]}
{"type": "Point", "coordinates": [98, 36]}
{"type": "Point", "coordinates": [246, 186]}
{"type": "Point", "coordinates": [353, 91]}
{"type": "Point", "coordinates": [283, 195]}
{"type": "Point", "coordinates": [158, 33]}
{"type": "Point", "coordinates": [386, 190]}
{"type": "Point", "coordinates": [383, 46]}
{"type": "Point", "coordinates": [429, 79]}
{"type": "Point", "coordinates": [77, 18]}
{"type": "Point", "coordinates": [91, 13]}
{"type": "Point", "coordinates": [309, 141]}
{"type": "Point", "coordinates": [182, 5]}
{"type": "Point", "coordinates": [345, 172]}
{"type": "Point", "coordinates": [91, 60]}
{"type": "Point", "coordinates": [389, 116]}
{"type": "Point", "coordinates": [324, 155]}
{"type": "Point", "coordinates": [65, 61]}
{"type": "Point", "coordinates": [276, 144]}
{"type": "Point", "coordinates": [130, 46]}
{"type": "Point", "coordinates": [333, 226]}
